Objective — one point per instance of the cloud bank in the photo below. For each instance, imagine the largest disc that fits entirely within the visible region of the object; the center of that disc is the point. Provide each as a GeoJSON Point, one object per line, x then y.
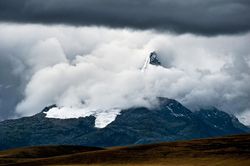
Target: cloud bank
{"type": "Point", "coordinates": [195, 16]}
{"type": "Point", "coordinates": [96, 68]}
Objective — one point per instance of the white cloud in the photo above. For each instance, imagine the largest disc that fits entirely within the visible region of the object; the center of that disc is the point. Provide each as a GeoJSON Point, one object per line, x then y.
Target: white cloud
{"type": "Point", "coordinates": [45, 53]}
{"type": "Point", "coordinates": [244, 117]}
{"type": "Point", "coordinates": [95, 68]}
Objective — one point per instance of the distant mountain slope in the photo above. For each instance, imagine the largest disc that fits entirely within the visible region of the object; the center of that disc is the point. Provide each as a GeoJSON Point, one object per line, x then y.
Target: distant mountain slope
{"type": "Point", "coordinates": [45, 151]}
{"type": "Point", "coordinates": [230, 151]}
{"type": "Point", "coordinates": [170, 121]}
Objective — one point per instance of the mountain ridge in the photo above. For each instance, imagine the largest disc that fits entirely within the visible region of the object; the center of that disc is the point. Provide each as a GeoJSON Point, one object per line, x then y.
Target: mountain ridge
{"type": "Point", "coordinates": [170, 121]}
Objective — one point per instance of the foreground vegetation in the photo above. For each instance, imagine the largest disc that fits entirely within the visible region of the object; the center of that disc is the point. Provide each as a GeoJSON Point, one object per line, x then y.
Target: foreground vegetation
{"type": "Point", "coordinates": [230, 151]}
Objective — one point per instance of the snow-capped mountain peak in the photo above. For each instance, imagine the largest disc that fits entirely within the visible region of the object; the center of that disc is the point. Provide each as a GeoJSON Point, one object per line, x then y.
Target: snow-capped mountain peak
{"type": "Point", "coordinates": [152, 59]}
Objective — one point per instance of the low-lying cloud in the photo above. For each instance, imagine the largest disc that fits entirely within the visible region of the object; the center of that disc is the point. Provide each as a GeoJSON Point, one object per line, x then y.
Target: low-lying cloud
{"type": "Point", "coordinates": [95, 68]}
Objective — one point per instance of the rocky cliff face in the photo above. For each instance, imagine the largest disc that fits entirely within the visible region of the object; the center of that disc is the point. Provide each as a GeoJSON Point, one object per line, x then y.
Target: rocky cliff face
{"type": "Point", "coordinates": [153, 59]}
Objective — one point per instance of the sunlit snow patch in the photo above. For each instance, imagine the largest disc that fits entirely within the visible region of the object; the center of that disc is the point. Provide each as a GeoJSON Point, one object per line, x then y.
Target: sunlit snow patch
{"type": "Point", "coordinates": [106, 117]}
{"type": "Point", "coordinates": [103, 117]}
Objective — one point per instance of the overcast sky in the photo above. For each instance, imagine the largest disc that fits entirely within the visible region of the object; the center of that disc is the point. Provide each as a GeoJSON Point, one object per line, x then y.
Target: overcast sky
{"type": "Point", "coordinates": [196, 16]}
{"type": "Point", "coordinates": [89, 53]}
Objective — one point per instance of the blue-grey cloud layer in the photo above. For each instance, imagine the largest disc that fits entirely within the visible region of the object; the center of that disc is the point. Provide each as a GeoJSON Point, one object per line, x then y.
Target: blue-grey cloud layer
{"type": "Point", "coordinates": [193, 16]}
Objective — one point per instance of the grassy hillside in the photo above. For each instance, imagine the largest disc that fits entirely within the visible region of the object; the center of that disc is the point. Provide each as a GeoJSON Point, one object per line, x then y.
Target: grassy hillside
{"type": "Point", "coordinates": [230, 151]}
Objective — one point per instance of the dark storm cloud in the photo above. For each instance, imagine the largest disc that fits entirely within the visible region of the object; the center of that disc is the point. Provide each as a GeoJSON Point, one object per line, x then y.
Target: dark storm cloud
{"type": "Point", "coordinates": [9, 88]}
{"type": "Point", "coordinates": [194, 16]}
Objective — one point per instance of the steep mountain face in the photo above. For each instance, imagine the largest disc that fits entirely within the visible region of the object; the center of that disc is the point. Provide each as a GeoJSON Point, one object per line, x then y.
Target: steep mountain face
{"type": "Point", "coordinates": [152, 59]}
{"type": "Point", "coordinates": [169, 121]}
{"type": "Point", "coordinates": [224, 122]}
